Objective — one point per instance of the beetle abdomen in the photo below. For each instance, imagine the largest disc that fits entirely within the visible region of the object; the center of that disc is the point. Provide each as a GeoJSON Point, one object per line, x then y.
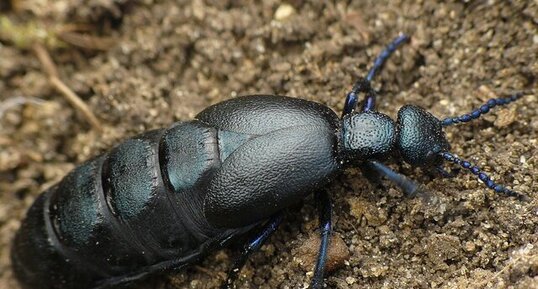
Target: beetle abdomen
{"type": "Point", "coordinates": [133, 207]}
{"type": "Point", "coordinates": [144, 206]}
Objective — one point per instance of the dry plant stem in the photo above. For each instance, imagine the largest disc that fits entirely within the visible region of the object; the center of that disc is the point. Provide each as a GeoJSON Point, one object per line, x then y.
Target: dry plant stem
{"type": "Point", "coordinates": [50, 68]}
{"type": "Point", "coordinates": [86, 41]}
{"type": "Point", "coordinates": [75, 101]}
{"type": "Point", "coordinates": [45, 59]}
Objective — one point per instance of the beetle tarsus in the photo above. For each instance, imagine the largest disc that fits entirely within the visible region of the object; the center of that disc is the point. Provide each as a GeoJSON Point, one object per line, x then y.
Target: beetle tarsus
{"type": "Point", "coordinates": [385, 54]}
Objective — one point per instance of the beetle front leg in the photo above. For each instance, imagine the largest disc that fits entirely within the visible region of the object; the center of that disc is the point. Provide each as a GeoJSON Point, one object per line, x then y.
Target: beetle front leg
{"type": "Point", "coordinates": [409, 187]}
{"type": "Point", "coordinates": [253, 245]}
{"type": "Point", "coordinates": [324, 211]}
{"type": "Point", "coordinates": [363, 84]}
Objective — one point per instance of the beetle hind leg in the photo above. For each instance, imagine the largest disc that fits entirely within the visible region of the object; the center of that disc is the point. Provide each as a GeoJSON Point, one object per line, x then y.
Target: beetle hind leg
{"type": "Point", "coordinates": [324, 209]}
{"type": "Point", "coordinates": [253, 245]}
{"type": "Point", "coordinates": [325, 223]}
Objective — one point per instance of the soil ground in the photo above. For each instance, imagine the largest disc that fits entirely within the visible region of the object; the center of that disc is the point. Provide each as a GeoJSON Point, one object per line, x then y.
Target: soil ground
{"type": "Point", "coordinates": [170, 59]}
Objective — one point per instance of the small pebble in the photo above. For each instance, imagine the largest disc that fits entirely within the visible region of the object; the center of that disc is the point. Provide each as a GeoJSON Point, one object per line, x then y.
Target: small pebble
{"type": "Point", "coordinates": [283, 12]}
{"type": "Point", "coordinates": [307, 254]}
{"type": "Point", "coordinates": [351, 280]}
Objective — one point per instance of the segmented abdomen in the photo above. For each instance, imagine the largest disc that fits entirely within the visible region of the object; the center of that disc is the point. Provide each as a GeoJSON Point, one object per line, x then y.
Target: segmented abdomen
{"type": "Point", "coordinates": [138, 205]}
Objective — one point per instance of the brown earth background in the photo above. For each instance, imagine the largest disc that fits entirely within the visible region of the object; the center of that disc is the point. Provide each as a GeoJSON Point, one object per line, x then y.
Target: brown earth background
{"type": "Point", "coordinates": [145, 64]}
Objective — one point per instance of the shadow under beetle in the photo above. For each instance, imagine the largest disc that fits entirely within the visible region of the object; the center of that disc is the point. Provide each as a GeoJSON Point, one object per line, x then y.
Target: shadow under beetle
{"type": "Point", "coordinates": [163, 200]}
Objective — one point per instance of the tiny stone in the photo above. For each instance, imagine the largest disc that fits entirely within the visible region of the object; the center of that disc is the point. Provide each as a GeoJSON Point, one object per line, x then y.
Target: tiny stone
{"type": "Point", "coordinates": [505, 117]}
{"type": "Point", "coordinates": [470, 246]}
{"type": "Point", "coordinates": [306, 255]}
{"type": "Point", "coordinates": [351, 280]}
{"type": "Point", "coordinates": [283, 12]}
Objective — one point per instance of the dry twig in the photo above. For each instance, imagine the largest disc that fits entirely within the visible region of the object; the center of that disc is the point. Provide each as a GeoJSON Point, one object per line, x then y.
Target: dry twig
{"type": "Point", "coordinates": [50, 69]}
{"type": "Point", "coordinates": [86, 41]}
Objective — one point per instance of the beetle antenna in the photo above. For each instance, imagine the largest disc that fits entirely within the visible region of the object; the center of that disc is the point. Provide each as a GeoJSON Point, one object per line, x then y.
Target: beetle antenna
{"type": "Point", "coordinates": [482, 176]}
{"type": "Point", "coordinates": [485, 108]}
{"type": "Point", "coordinates": [363, 84]}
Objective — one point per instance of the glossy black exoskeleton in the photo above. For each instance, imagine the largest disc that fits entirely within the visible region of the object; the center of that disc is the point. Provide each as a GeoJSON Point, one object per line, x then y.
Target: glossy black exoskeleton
{"type": "Point", "coordinates": [163, 200]}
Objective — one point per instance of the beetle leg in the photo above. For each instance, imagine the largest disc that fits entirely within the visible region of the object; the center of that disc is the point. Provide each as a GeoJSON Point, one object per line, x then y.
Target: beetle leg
{"type": "Point", "coordinates": [324, 209]}
{"type": "Point", "coordinates": [409, 187]}
{"type": "Point", "coordinates": [268, 229]}
{"type": "Point", "coordinates": [385, 54]}
{"type": "Point", "coordinates": [363, 84]}
{"type": "Point", "coordinates": [373, 176]}
{"type": "Point", "coordinates": [369, 101]}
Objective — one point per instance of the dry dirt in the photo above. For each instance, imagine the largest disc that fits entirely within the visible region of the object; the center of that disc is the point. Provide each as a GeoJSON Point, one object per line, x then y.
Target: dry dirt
{"type": "Point", "coordinates": [170, 59]}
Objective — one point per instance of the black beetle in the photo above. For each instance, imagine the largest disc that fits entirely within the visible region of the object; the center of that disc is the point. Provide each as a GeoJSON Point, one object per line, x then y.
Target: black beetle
{"type": "Point", "coordinates": [163, 200]}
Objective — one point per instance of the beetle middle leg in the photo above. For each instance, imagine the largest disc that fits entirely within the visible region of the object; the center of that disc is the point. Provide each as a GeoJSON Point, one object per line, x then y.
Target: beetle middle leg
{"type": "Point", "coordinates": [253, 245]}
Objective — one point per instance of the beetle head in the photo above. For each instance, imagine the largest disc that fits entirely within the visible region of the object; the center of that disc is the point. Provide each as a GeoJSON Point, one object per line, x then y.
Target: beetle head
{"type": "Point", "coordinates": [420, 137]}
